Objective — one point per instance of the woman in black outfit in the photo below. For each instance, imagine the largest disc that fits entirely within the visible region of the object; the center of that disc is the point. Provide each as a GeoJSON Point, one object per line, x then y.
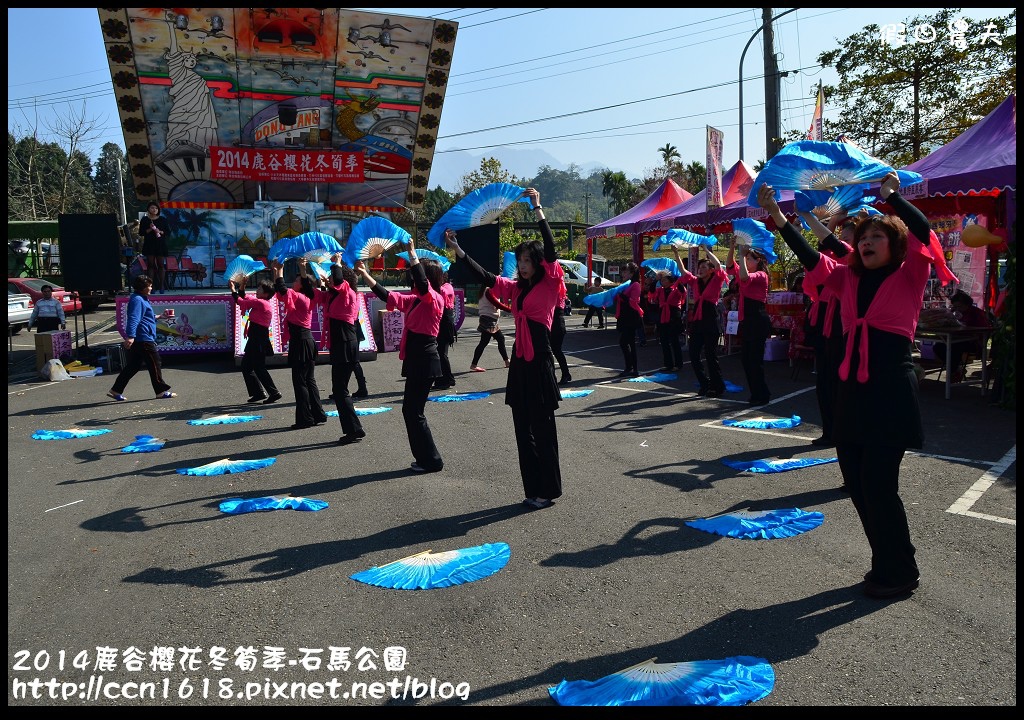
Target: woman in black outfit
{"type": "Point", "coordinates": [755, 326]}
{"type": "Point", "coordinates": [532, 392]}
{"type": "Point", "coordinates": [421, 362]}
{"type": "Point", "coordinates": [154, 231]}
{"type": "Point", "coordinates": [302, 352]}
{"type": "Point", "coordinates": [630, 318]}
{"type": "Point", "coordinates": [877, 414]}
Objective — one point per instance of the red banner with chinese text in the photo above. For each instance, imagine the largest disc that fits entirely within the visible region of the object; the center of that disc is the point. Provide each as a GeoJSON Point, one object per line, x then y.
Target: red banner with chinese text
{"type": "Point", "coordinates": [279, 165]}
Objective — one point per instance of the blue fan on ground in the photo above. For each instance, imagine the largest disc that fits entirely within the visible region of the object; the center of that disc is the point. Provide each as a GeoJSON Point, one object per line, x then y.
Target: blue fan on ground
{"type": "Point", "coordinates": [732, 387]}
{"type": "Point", "coordinates": [428, 570]}
{"type": "Point", "coordinates": [776, 466]}
{"type": "Point", "coordinates": [755, 235]}
{"type": "Point", "coordinates": [683, 237]}
{"type": "Point", "coordinates": [242, 267]}
{"type": "Point", "coordinates": [480, 207]}
{"type": "Point", "coordinates": [144, 444]}
{"type": "Point", "coordinates": [818, 165]}
{"type": "Point", "coordinates": [371, 237]}
{"type": "Point", "coordinates": [605, 298]}
{"type": "Point", "coordinates": [361, 411]}
{"type": "Point", "coordinates": [226, 420]}
{"type": "Point", "coordinates": [760, 524]}
{"type": "Point", "coordinates": [69, 434]}
{"type": "Point", "coordinates": [567, 394]}
{"type": "Point", "coordinates": [655, 377]}
{"type": "Point", "coordinates": [222, 467]}
{"type": "Point", "coordinates": [427, 255]}
{"type": "Point", "coordinates": [460, 397]}
{"type": "Point", "coordinates": [238, 506]}
{"type": "Point", "coordinates": [509, 265]}
{"type": "Point", "coordinates": [765, 424]}
{"type": "Point", "coordinates": [737, 680]}
{"type": "Point", "coordinates": [313, 246]}
{"type": "Point", "coordinates": [662, 265]}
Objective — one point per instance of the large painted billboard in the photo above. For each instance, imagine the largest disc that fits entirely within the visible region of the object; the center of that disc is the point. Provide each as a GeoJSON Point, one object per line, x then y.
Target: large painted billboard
{"type": "Point", "coordinates": [223, 108]}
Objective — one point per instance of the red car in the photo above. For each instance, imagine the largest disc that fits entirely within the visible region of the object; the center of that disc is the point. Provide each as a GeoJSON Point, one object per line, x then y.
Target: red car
{"type": "Point", "coordinates": [33, 288]}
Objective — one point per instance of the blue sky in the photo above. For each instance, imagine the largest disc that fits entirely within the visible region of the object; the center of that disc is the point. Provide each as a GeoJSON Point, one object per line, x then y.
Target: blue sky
{"type": "Point", "coordinates": [583, 84]}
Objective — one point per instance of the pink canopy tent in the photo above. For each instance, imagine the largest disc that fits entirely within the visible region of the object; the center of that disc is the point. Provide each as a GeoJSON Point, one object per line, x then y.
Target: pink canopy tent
{"type": "Point", "coordinates": [667, 195]}
{"type": "Point", "coordinates": [692, 213]}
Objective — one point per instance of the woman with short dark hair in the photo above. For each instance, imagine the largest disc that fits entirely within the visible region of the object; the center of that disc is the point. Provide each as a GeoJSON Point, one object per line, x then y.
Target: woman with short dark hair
{"type": "Point", "coordinates": [154, 231]}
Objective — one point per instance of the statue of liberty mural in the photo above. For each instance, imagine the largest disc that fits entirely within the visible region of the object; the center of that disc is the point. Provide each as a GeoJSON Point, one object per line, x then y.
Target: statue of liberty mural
{"type": "Point", "coordinates": [191, 122]}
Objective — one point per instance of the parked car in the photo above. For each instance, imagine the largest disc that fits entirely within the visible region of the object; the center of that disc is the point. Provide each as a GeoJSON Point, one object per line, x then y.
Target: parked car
{"type": "Point", "coordinates": [19, 310]}
{"type": "Point", "coordinates": [33, 288]}
{"type": "Point", "coordinates": [576, 281]}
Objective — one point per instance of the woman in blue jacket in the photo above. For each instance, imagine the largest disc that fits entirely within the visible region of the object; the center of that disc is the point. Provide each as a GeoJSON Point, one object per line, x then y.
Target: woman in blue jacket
{"type": "Point", "coordinates": [140, 343]}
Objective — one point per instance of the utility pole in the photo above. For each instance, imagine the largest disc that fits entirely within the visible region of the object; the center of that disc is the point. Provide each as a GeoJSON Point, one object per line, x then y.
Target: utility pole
{"type": "Point", "coordinates": [120, 193]}
{"type": "Point", "coordinates": [586, 210]}
{"type": "Point", "coordinates": [740, 83]}
{"type": "Point", "coordinates": [772, 110]}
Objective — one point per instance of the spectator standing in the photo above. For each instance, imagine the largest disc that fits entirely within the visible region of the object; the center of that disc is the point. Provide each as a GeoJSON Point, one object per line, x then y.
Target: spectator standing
{"type": "Point", "coordinates": [140, 343]}
{"type": "Point", "coordinates": [48, 314]}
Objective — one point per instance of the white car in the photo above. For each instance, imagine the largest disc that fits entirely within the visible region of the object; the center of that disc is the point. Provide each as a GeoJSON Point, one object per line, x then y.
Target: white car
{"type": "Point", "coordinates": [19, 310]}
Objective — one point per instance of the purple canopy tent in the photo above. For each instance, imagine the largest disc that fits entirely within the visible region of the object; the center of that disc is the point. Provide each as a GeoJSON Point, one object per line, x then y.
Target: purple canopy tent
{"type": "Point", "coordinates": [667, 195]}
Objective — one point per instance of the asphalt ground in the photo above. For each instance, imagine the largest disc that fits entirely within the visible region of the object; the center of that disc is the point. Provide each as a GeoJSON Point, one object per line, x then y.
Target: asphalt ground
{"type": "Point", "coordinates": [109, 551]}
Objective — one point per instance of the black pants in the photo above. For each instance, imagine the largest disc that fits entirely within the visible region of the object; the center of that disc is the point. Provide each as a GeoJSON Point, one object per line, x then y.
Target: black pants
{"type": "Point", "coordinates": [341, 373]}
{"type": "Point", "coordinates": [591, 311]}
{"type": "Point", "coordinates": [537, 442]}
{"type": "Point", "coordinates": [485, 337]}
{"type": "Point", "coordinates": [421, 441]}
{"type": "Point", "coordinates": [707, 343]}
{"type": "Point", "coordinates": [302, 356]}
{"type": "Point", "coordinates": [557, 336]}
{"type": "Point", "coordinates": [257, 378]}
{"type": "Point", "coordinates": [828, 356]}
{"type": "Point", "coordinates": [627, 343]}
{"type": "Point", "coordinates": [140, 352]}
{"type": "Point", "coordinates": [357, 369]}
{"type": "Point", "coordinates": [872, 475]}
{"type": "Point", "coordinates": [671, 348]}
{"type": "Point", "coordinates": [46, 324]}
{"type": "Point", "coordinates": [755, 333]}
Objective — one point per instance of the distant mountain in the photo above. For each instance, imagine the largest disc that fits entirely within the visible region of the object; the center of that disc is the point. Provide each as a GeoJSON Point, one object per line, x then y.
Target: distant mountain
{"type": "Point", "coordinates": [449, 168]}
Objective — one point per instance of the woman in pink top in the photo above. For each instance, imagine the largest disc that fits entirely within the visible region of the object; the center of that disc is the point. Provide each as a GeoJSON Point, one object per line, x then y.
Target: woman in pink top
{"type": "Point", "coordinates": [532, 391]}
{"type": "Point", "coordinates": [629, 316]}
{"type": "Point", "coordinates": [669, 297]}
{"type": "Point", "coordinates": [446, 335]}
{"type": "Point", "coordinates": [302, 352]}
{"type": "Point", "coordinates": [878, 414]}
{"type": "Point", "coordinates": [341, 312]}
{"type": "Point", "coordinates": [755, 327]}
{"type": "Point", "coordinates": [257, 378]}
{"type": "Point", "coordinates": [421, 362]}
{"type": "Point", "coordinates": [706, 289]}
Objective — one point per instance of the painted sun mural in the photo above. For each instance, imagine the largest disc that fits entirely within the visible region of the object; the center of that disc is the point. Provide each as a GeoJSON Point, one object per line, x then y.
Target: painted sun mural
{"type": "Point", "coordinates": [228, 107]}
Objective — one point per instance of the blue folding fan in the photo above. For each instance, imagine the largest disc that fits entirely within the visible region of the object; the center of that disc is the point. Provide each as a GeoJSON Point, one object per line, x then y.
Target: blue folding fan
{"type": "Point", "coordinates": [480, 207]}
{"type": "Point", "coordinates": [818, 165]}
{"type": "Point", "coordinates": [509, 265]}
{"type": "Point", "coordinates": [760, 524]}
{"type": "Point", "coordinates": [735, 680]}
{"type": "Point", "coordinates": [662, 264]}
{"type": "Point", "coordinates": [605, 298]}
{"type": "Point", "coordinates": [68, 434]}
{"type": "Point", "coordinates": [655, 377]}
{"type": "Point", "coordinates": [371, 237]}
{"type": "Point", "coordinates": [361, 411]}
{"type": "Point", "coordinates": [754, 234]}
{"type": "Point", "coordinates": [226, 420]}
{"type": "Point", "coordinates": [221, 467]}
{"type": "Point", "coordinates": [765, 424]}
{"type": "Point", "coordinates": [567, 394]}
{"type": "Point", "coordinates": [776, 466]}
{"type": "Point", "coordinates": [460, 397]}
{"type": "Point", "coordinates": [321, 270]}
{"type": "Point", "coordinates": [144, 444]}
{"type": "Point", "coordinates": [242, 267]}
{"type": "Point", "coordinates": [681, 236]}
{"type": "Point", "coordinates": [428, 570]}
{"type": "Point", "coordinates": [313, 246]}
{"type": "Point", "coordinates": [237, 506]}
{"type": "Point", "coordinates": [826, 205]}
{"type": "Point", "coordinates": [428, 255]}
{"type": "Point", "coordinates": [732, 387]}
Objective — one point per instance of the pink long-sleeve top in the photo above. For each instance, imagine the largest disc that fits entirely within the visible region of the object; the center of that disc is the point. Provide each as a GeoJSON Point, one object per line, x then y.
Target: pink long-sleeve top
{"type": "Point", "coordinates": [259, 309]}
{"type": "Point", "coordinates": [345, 307]}
{"type": "Point", "coordinates": [423, 317]}
{"type": "Point", "coordinates": [755, 287]}
{"type": "Point", "coordinates": [895, 307]}
{"type": "Point", "coordinates": [668, 298]}
{"type": "Point", "coordinates": [711, 293]}
{"type": "Point", "coordinates": [298, 310]}
{"type": "Point", "coordinates": [538, 304]}
{"type": "Point", "coordinates": [828, 298]}
{"type": "Point", "coordinates": [630, 296]}
{"type": "Point", "coordinates": [449, 296]}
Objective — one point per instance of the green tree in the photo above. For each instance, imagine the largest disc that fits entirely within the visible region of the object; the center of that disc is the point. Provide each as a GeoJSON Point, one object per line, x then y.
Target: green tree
{"type": "Point", "coordinates": [899, 102]}
{"type": "Point", "coordinates": [105, 182]}
{"type": "Point", "coordinates": [695, 177]}
{"type": "Point", "coordinates": [669, 153]}
{"type": "Point", "coordinates": [615, 186]}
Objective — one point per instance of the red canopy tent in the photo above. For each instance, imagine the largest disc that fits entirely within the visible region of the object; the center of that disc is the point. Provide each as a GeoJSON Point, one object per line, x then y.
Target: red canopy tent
{"type": "Point", "coordinates": [693, 213]}
{"type": "Point", "coordinates": [667, 195]}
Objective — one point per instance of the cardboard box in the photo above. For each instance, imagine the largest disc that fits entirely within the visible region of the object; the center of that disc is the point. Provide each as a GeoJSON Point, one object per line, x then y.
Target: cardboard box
{"type": "Point", "coordinates": [50, 345]}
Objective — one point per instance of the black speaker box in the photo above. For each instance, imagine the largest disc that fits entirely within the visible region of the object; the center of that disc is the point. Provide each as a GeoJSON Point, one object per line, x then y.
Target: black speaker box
{"type": "Point", "coordinates": [90, 252]}
{"type": "Point", "coordinates": [481, 244]}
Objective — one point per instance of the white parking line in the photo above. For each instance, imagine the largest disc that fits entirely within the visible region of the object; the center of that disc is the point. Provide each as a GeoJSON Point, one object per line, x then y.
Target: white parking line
{"type": "Point", "coordinates": [967, 500]}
